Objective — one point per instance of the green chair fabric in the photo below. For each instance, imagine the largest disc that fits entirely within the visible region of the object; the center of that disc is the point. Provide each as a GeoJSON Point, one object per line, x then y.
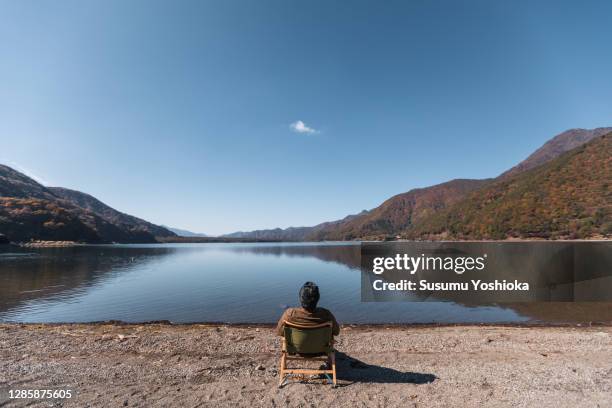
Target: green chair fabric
{"type": "Point", "coordinates": [308, 341]}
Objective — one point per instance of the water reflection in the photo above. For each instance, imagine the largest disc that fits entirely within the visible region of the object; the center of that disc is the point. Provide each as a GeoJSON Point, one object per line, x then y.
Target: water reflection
{"type": "Point", "coordinates": [221, 282]}
{"type": "Point", "coordinates": [59, 273]}
{"type": "Point", "coordinates": [342, 253]}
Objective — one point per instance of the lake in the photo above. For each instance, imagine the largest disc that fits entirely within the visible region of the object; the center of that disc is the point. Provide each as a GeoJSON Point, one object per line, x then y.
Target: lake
{"type": "Point", "coordinates": [221, 282]}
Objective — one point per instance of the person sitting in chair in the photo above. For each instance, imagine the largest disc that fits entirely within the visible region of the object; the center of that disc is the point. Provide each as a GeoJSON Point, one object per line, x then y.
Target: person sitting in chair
{"type": "Point", "coordinates": [306, 333]}
{"type": "Point", "coordinates": [309, 314]}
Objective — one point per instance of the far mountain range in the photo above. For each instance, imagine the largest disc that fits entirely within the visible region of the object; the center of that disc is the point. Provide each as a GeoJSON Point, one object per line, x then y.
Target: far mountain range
{"type": "Point", "coordinates": [185, 233]}
{"type": "Point", "coordinates": [561, 191]}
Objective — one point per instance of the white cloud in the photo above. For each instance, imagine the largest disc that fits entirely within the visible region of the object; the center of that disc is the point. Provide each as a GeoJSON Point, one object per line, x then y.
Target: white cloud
{"type": "Point", "coordinates": [300, 127]}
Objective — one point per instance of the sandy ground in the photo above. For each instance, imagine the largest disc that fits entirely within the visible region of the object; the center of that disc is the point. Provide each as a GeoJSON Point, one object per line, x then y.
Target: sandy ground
{"type": "Point", "coordinates": [160, 365]}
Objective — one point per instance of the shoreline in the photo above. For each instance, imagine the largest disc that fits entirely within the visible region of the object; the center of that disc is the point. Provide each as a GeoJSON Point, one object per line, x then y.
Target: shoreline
{"type": "Point", "coordinates": [121, 323]}
{"type": "Point", "coordinates": [160, 364]}
{"type": "Point", "coordinates": [220, 240]}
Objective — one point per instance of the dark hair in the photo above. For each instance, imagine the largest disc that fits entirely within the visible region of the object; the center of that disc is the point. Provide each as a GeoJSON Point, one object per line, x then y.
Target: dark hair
{"type": "Point", "coordinates": [309, 296]}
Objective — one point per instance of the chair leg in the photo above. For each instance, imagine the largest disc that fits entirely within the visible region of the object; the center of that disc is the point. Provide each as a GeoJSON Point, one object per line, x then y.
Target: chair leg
{"type": "Point", "coordinates": [333, 364]}
{"type": "Point", "coordinates": [281, 373]}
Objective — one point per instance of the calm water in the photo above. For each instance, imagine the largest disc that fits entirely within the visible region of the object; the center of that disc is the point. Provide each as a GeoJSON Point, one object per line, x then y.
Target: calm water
{"type": "Point", "coordinates": [222, 283]}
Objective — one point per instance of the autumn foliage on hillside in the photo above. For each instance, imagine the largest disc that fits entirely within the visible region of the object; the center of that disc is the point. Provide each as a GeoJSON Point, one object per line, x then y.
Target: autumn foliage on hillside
{"type": "Point", "coordinates": [21, 219]}
{"type": "Point", "coordinates": [399, 212]}
{"type": "Point", "coordinates": [569, 197]}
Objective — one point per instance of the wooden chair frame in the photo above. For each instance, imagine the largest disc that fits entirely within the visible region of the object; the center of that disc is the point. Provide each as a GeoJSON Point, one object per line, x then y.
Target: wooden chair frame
{"type": "Point", "coordinates": [330, 357]}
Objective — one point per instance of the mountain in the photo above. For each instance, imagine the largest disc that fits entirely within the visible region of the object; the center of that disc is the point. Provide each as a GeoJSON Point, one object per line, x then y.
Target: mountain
{"type": "Point", "coordinates": [111, 215]}
{"type": "Point", "coordinates": [184, 233]}
{"type": "Point", "coordinates": [567, 197]}
{"type": "Point", "coordinates": [397, 215]}
{"type": "Point", "coordinates": [29, 210]}
{"type": "Point", "coordinates": [556, 146]}
{"type": "Point", "coordinates": [399, 212]}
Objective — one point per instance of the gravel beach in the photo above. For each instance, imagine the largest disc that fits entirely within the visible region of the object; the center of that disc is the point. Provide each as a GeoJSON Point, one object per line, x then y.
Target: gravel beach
{"type": "Point", "coordinates": [162, 365]}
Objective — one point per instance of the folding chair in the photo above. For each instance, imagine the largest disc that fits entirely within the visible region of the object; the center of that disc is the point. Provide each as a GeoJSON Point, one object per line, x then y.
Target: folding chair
{"type": "Point", "coordinates": [308, 343]}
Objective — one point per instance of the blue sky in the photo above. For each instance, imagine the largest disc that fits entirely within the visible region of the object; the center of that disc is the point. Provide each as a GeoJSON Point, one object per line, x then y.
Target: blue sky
{"type": "Point", "coordinates": [182, 112]}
